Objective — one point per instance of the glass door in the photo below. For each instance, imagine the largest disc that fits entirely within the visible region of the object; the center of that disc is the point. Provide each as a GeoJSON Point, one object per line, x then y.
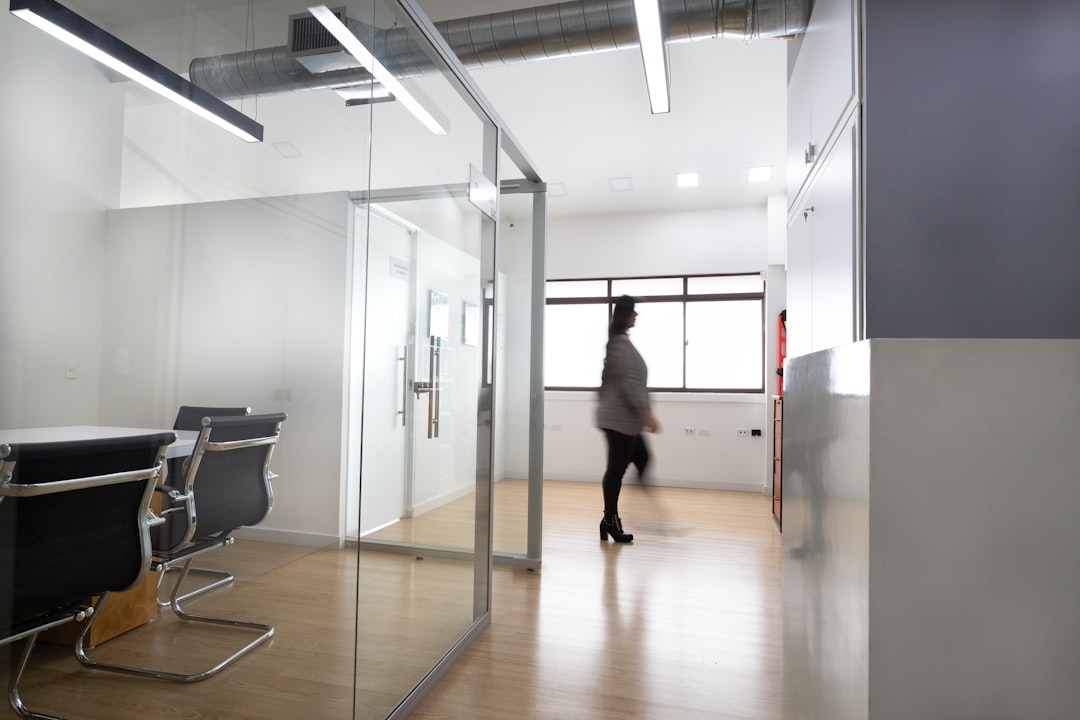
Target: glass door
{"type": "Point", "coordinates": [418, 482]}
{"type": "Point", "coordinates": [419, 475]}
{"type": "Point", "coordinates": [423, 383]}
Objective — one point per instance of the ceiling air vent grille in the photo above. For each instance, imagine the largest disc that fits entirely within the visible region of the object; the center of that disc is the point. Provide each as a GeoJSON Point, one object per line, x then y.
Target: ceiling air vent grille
{"type": "Point", "coordinates": [307, 35]}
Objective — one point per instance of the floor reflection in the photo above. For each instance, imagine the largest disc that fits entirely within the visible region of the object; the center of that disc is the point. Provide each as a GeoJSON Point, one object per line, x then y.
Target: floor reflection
{"type": "Point", "coordinates": [683, 623]}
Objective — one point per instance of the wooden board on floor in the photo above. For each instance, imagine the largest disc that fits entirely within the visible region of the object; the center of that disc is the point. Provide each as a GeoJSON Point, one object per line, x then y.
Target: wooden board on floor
{"type": "Point", "coordinates": [123, 611]}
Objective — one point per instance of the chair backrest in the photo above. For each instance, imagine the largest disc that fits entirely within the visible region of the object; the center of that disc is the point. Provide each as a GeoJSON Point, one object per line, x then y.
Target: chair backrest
{"type": "Point", "coordinates": [73, 520]}
{"type": "Point", "coordinates": [229, 473]}
{"type": "Point", "coordinates": [189, 417]}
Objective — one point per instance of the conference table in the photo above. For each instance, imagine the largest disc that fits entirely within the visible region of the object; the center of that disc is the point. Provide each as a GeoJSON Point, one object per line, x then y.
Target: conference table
{"type": "Point", "coordinates": [185, 439]}
{"type": "Point", "coordinates": [128, 609]}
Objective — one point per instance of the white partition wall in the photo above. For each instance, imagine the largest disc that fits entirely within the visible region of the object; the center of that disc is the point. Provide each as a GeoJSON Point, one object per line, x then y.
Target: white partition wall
{"type": "Point", "coordinates": [930, 530]}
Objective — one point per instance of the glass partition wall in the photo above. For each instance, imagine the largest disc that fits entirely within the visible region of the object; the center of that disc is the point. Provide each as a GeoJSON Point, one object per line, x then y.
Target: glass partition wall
{"type": "Point", "coordinates": [519, 419]}
{"type": "Point", "coordinates": [353, 269]}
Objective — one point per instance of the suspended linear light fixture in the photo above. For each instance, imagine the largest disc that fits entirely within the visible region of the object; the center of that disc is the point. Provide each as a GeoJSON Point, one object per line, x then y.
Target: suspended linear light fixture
{"type": "Point", "coordinates": [87, 38]}
{"type": "Point", "coordinates": [653, 53]}
{"type": "Point", "coordinates": [364, 94]}
{"type": "Point", "coordinates": [358, 50]}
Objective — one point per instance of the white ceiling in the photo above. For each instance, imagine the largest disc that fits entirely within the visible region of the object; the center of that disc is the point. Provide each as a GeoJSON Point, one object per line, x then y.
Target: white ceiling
{"type": "Point", "coordinates": [584, 120]}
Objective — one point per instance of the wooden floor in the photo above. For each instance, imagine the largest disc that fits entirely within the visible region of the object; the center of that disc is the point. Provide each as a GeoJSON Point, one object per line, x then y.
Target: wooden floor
{"type": "Point", "coordinates": [682, 624]}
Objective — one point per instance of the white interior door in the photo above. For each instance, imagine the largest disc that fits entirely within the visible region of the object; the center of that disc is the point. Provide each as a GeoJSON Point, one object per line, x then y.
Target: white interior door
{"type": "Point", "coordinates": [387, 353]}
{"type": "Point", "coordinates": [418, 333]}
{"type": "Point", "coordinates": [444, 438]}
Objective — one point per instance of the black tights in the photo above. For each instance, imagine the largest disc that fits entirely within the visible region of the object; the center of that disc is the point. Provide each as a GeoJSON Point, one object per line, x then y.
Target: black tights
{"type": "Point", "coordinates": [622, 450]}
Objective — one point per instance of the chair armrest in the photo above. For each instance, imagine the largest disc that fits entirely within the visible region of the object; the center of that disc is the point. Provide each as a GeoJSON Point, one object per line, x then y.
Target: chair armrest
{"type": "Point", "coordinates": [58, 486]}
{"type": "Point", "coordinates": [214, 446]}
{"type": "Point", "coordinates": [157, 517]}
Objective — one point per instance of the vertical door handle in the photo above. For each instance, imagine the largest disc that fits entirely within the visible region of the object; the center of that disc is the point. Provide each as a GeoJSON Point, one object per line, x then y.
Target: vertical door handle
{"type": "Point", "coordinates": [433, 354]}
{"type": "Point", "coordinates": [437, 383]}
{"type": "Point", "coordinates": [404, 360]}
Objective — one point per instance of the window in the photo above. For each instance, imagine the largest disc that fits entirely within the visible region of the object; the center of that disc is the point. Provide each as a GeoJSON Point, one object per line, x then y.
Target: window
{"type": "Point", "coordinates": [696, 333]}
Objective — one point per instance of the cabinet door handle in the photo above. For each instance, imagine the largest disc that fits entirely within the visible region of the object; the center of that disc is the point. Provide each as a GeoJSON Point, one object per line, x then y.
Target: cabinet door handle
{"type": "Point", "coordinates": [810, 154]}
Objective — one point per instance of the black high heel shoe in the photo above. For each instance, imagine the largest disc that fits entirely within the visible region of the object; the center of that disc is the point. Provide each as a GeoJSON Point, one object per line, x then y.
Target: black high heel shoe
{"type": "Point", "coordinates": [612, 525]}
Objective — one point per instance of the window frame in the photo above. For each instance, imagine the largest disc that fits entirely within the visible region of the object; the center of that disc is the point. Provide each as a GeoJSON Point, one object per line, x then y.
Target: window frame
{"type": "Point", "coordinates": [684, 298]}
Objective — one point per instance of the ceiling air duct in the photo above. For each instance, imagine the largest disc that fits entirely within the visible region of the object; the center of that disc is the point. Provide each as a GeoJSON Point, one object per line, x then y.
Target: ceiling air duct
{"type": "Point", "coordinates": [313, 59]}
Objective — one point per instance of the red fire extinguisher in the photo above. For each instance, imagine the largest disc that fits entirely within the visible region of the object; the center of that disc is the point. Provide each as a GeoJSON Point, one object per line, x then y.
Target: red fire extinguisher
{"type": "Point", "coordinates": [781, 350]}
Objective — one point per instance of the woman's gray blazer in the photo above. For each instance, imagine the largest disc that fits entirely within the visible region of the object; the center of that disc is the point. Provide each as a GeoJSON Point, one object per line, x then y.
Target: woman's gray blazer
{"type": "Point", "coordinates": [624, 399]}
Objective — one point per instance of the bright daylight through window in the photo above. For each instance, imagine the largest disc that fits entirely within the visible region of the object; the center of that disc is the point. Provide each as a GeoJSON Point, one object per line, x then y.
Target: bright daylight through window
{"type": "Point", "coordinates": [696, 333]}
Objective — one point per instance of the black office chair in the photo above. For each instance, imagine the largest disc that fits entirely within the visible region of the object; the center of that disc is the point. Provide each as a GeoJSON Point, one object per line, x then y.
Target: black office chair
{"type": "Point", "coordinates": [74, 523]}
{"type": "Point", "coordinates": [226, 486]}
{"type": "Point", "coordinates": [188, 417]}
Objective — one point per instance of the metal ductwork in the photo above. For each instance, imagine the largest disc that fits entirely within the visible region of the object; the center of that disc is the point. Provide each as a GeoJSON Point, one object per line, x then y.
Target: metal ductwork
{"type": "Point", "coordinates": [314, 60]}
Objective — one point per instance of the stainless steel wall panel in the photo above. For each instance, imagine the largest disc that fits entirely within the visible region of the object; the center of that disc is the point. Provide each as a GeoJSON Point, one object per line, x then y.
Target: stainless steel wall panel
{"type": "Point", "coordinates": [826, 538]}
{"type": "Point", "coordinates": [930, 534]}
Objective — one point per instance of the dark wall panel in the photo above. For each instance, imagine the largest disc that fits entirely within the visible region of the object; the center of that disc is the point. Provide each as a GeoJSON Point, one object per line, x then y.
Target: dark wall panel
{"type": "Point", "coordinates": [972, 168]}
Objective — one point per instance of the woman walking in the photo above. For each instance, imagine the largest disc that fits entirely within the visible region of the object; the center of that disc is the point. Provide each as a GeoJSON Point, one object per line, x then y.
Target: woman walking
{"type": "Point", "coordinates": [623, 413]}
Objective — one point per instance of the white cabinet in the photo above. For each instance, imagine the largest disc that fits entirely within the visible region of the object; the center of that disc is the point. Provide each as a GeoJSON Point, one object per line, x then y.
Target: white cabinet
{"type": "Point", "coordinates": [822, 260]}
{"type": "Point", "coordinates": [822, 86]}
{"type": "Point", "coordinates": [800, 134]}
{"type": "Point", "coordinates": [800, 293]}
{"type": "Point", "coordinates": [834, 271]}
{"type": "Point", "coordinates": [823, 272]}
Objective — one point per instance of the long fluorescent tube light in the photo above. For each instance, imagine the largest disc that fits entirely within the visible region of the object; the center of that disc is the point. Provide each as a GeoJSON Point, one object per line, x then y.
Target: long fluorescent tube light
{"type": "Point", "coordinates": [87, 38]}
{"type": "Point", "coordinates": [364, 56]}
{"type": "Point", "coordinates": [653, 53]}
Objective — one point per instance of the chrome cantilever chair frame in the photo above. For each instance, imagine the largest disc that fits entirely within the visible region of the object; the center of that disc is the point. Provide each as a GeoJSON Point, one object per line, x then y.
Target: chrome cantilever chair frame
{"type": "Point", "coordinates": [61, 609]}
{"type": "Point", "coordinates": [190, 417]}
{"type": "Point", "coordinates": [198, 541]}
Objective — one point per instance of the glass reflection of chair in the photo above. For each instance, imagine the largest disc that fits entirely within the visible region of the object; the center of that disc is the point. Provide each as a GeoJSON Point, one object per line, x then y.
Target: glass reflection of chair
{"type": "Point", "coordinates": [226, 487]}
{"type": "Point", "coordinates": [74, 523]}
{"type": "Point", "coordinates": [188, 417]}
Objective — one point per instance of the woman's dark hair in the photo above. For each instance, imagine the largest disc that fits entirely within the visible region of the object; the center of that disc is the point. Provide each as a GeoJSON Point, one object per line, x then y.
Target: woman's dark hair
{"type": "Point", "coordinates": [620, 316]}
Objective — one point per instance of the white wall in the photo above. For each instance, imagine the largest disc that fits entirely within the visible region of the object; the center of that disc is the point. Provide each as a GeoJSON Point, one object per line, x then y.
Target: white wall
{"type": "Point", "coordinates": [714, 457]}
{"type": "Point", "coordinates": [717, 241]}
{"type": "Point", "coordinates": [139, 339]}
{"type": "Point", "coordinates": [237, 303]}
{"type": "Point", "coordinates": [53, 196]}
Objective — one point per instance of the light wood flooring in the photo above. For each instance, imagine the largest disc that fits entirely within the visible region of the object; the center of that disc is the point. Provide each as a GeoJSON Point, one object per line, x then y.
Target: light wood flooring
{"type": "Point", "coordinates": [682, 624]}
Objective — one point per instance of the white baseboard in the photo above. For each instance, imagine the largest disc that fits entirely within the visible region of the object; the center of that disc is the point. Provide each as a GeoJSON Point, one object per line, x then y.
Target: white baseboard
{"type": "Point", "coordinates": [440, 500]}
{"type": "Point", "coordinates": [667, 482]}
{"type": "Point", "coordinates": [288, 537]}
